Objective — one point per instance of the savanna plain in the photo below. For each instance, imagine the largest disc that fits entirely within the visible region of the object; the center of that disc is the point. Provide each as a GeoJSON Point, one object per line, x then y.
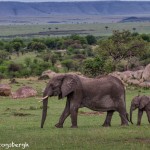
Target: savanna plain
{"type": "Point", "coordinates": [52, 30]}
{"type": "Point", "coordinates": [20, 123]}
{"type": "Point", "coordinates": [20, 118]}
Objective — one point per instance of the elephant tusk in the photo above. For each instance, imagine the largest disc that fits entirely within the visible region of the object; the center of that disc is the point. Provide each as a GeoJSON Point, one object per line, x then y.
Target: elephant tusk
{"type": "Point", "coordinates": [43, 98]}
{"type": "Point", "coordinates": [40, 101]}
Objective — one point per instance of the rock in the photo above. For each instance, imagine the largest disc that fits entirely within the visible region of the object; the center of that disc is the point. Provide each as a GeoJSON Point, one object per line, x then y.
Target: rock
{"type": "Point", "coordinates": [43, 77]}
{"type": "Point", "coordinates": [47, 75]}
{"type": "Point", "coordinates": [133, 82]}
{"type": "Point", "coordinates": [13, 81]}
{"type": "Point", "coordinates": [146, 73]}
{"type": "Point", "coordinates": [139, 78]}
{"type": "Point", "coordinates": [5, 90]}
{"type": "Point", "coordinates": [50, 74]}
{"type": "Point", "coordinates": [24, 92]}
{"type": "Point", "coordinates": [126, 75]}
{"type": "Point", "coordinates": [145, 84]}
{"type": "Point", "coordinates": [138, 74]}
{"type": "Point", "coordinates": [116, 74]}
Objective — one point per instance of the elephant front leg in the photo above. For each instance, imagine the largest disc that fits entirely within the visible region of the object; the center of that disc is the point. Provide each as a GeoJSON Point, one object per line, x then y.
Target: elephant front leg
{"type": "Point", "coordinates": [64, 115]}
{"type": "Point", "coordinates": [107, 122]}
{"type": "Point", "coordinates": [140, 113]}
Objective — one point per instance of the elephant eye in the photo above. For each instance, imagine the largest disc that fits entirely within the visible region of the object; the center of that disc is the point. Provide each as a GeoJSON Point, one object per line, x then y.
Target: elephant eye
{"type": "Point", "coordinates": [54, 86]}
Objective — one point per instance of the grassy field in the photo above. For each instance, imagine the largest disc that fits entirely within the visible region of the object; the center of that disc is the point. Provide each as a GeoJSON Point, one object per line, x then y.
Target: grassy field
{"type": "Point", "coordinates": [20, 123]}
{"type": "Point", "coordinates": [66, 29]}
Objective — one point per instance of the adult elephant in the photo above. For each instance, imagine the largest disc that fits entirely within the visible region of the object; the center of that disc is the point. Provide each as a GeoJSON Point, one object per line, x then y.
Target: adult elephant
{"type": "Point", "coordinates": [143, 104]}
{"type": "Point", "coordinates": [106, 94]}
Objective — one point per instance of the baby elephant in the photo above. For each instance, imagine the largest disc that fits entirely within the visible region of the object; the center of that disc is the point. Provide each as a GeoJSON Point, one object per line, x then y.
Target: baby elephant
{"type": "Point", "coordinates": [143, 104]}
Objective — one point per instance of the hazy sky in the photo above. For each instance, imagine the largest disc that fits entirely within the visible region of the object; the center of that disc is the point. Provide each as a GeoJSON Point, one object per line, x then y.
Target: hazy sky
{"type": "Point", "coordinates": [67, 0]}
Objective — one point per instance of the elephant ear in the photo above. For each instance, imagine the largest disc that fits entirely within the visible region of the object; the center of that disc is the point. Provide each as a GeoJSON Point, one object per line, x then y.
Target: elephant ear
{"type": "Point", "coordinates": [68, 85]}
{"type": "Point", "coordinates": [143, 102]}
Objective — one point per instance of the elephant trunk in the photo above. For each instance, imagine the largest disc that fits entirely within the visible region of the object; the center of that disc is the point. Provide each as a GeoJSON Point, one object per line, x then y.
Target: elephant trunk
{"type": "Point", "coordinates": [131, 110]}
{"type": "Point", "coordinates": [44, 113]}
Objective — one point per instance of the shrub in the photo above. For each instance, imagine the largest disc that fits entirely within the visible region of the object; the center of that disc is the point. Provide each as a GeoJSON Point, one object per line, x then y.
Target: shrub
{"type": "Point", "coordinates": [108, 66]}
{"type": "Point", "coordinates": [91, 39]}
{"type": "Point", "coordinates": [93, 66]}
{"type": "Point", "coordinates": [13, 67]}
{"type": "Point", "coordinates": [68, 63]}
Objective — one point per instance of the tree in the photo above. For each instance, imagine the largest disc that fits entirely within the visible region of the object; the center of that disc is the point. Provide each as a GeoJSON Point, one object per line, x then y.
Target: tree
{"type": "Point", "coordinates": [28, 61]}
{"type": "Point", "coordinates": [51, 43]}
{"type": "Point", "coordinates": [14, 69]}
{"type": "Point", "coordinates": [1, 45]}
{"type": "Point", "coordinates": [37, 46]}
{"type": "Point", "coordinates": [8, 47]}
{"type": "Point", "coordinates": [76, 37]}
{"type": "Point", "coordinates": [45, 56]}
{"type": "Point", "coordinates": [134, 29]}
{"type": "Point", "coordinates": [68, 63]}
{"type": "Point", "coordinates": [52, 57]}
{"type": "Point", "coordinates": [145, 37]}
{"type": "Point", "coordinates": [106, 27]}
{"type": "Point", "coordinates": [91, 39]}
{"type": "Point", "coordinates": [93, 66]}
{"type": "Point", "coordinates": [19, 41]}
{"type": "Point", "coordinates": [122, 45]}
{"type": "Point", "coordinates": [3, 56]}
{"type": "Point", "coordinates": [16, 46]}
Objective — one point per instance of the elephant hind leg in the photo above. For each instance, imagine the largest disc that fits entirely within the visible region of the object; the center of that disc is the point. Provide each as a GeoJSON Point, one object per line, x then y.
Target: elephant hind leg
{"type": "Point", "coordinates": [124, 121]}
{"type": "Point", "coordinates": [122, 112]}
{"type": "Point", "coordinates": [107, 122]}
{"type": "Point", "coordinates": [123, 116]}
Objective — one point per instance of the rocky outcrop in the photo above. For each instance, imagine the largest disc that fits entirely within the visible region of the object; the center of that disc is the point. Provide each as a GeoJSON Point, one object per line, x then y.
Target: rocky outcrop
{"type": "Point", "coordinates": [5, 90]}
{"type": "Point", "coordinates": [139, 78]}
{"type": "Point", "coordinates": [48, 74]}
{"type": "Point", "coordinates": [146, 74]}
{"type": "Point", "coordinates": [24, 92]}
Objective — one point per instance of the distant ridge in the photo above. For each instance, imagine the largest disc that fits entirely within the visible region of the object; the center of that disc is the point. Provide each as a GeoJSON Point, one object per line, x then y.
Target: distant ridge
{"type": "Point", "coordinates": [21, 9]}
{"type": "Point", "coordinates": [136, 19]}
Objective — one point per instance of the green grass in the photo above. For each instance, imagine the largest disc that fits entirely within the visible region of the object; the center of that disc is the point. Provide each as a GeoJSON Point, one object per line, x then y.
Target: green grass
{"type": "Point", "coordinates": [94, 29]}
{"type": "Point", "coordinates": [20, 123]}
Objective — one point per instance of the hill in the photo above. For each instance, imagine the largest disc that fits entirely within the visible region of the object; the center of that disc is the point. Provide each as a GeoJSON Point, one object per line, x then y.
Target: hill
{"type": "Point", "coordinates": [20, 9]}
{"type": "Point", "coordinates": [135, 19]}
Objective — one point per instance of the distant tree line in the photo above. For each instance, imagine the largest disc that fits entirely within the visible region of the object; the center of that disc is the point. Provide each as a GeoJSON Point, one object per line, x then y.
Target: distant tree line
{"type": "Point", "coordinates": [88, 54]}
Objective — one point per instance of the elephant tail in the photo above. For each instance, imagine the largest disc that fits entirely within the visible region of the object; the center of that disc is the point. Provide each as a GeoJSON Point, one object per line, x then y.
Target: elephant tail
{"type": "Point", "coordinates": [127, 115]}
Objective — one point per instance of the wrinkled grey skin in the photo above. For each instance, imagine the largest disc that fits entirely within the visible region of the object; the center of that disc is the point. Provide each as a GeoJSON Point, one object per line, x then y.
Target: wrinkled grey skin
{"type": "Point", "coordinates": [106, 94]}
{"type": "Point", "coordinates": [143, 104]}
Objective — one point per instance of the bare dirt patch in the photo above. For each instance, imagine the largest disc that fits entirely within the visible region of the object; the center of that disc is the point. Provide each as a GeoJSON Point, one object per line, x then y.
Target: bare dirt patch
{"type": "Point", "coordinates": [90, 113]}
{"type": "Point", "coordinates": [140, 140]}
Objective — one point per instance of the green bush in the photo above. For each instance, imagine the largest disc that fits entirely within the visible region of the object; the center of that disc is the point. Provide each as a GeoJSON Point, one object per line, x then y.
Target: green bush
{"type": "Point", "coordinates": [93, 66]}
{"type": "Point", "coordinates": [68, 64]}
{"type": "Point", "coordinates": [108, 66]}
{"type": "Point", "coordinates": [91, 39]}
